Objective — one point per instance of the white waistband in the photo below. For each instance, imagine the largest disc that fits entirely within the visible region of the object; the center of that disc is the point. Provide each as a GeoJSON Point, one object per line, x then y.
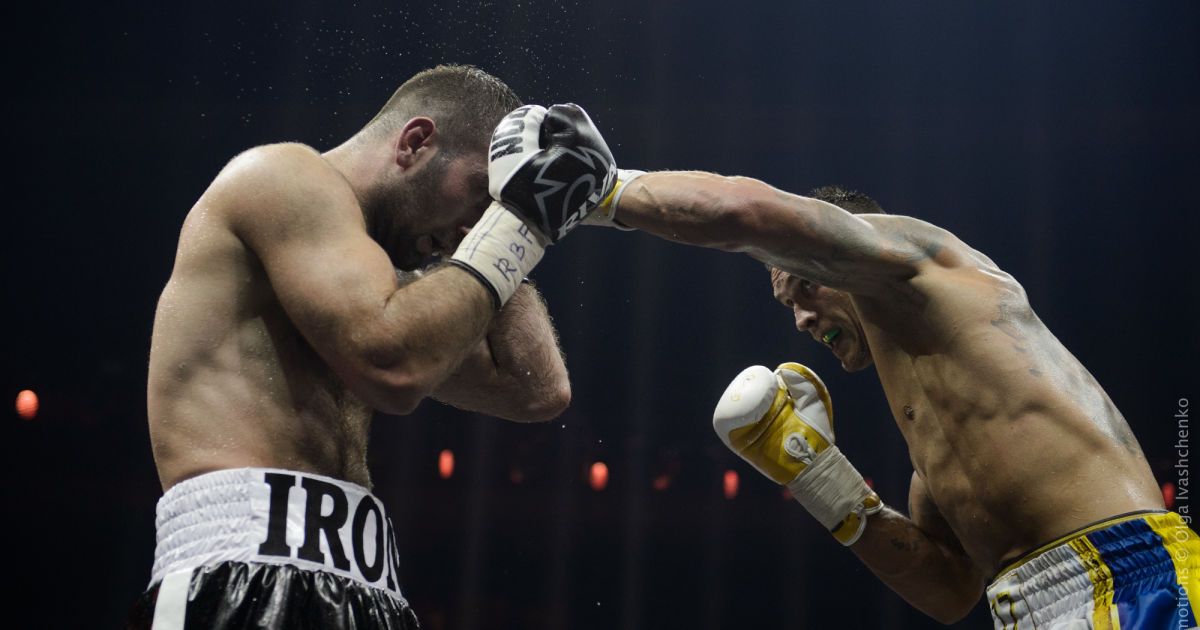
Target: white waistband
{"type": "Point", "coordinates": [1048, 588]}
{"type": "Point", "coordinates": [276, 516]}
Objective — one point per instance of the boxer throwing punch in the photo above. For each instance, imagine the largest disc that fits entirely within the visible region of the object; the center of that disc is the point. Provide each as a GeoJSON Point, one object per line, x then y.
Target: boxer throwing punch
{"type": "Point", "coordinates": [285, 323]}
{"type": "Point", "coordinates": [1003, 424]}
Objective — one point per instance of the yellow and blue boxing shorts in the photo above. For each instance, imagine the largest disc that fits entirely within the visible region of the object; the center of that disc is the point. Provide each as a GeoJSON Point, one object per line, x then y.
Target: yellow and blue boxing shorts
{"type": "Point", "coordinates": [1138, 571]}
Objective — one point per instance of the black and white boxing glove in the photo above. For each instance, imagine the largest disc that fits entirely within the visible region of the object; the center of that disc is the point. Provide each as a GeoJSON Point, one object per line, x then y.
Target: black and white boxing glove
{"type": "Point", "coordinates": [547, 170]}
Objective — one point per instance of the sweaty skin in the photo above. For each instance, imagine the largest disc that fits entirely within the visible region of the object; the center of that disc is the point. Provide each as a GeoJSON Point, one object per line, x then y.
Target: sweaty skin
{"type": "Point", "coordinates": [284, 323]}
{"type": "Point", "coordinates": [1012, 440]}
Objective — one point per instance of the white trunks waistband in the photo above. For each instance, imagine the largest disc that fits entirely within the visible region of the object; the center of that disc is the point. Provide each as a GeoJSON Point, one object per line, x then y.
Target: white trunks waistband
{"type": "Point", "coordinates": [278, 517]}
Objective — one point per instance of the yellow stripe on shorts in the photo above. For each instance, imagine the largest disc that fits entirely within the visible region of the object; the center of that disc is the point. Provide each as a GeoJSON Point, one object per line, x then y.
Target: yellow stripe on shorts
{"type": "Point", "coordinates": [1104, 614]}
{"type": "Point", "coordinates": [1183, 545]}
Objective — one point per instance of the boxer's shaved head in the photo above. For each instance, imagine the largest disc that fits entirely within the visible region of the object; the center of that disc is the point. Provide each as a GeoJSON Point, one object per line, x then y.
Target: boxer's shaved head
{"type": "Point", "coordinates": [464, 102]}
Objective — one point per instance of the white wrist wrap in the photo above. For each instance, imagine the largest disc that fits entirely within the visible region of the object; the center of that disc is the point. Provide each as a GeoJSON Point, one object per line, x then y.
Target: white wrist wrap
{"type": "Point", "coordinates": [500, 251]}
{"type": "Point", "coordinates": [606, 213]}
{"type": "Point", "coordinates": [830, 488]}
{"type": "Point", "coordinates": [625, 177]}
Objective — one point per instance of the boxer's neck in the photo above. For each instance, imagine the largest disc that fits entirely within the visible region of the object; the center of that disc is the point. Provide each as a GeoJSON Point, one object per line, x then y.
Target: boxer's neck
{"type": "Point", "coordinates": [368, 167]}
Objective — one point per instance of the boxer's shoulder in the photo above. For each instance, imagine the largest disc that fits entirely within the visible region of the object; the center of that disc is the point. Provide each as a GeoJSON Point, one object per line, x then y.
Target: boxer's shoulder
{"type": "Point", "coordinates": [285, 172]}
{"type": "Point", "coordinates": [282, 186]}
{"type": "Point", "coordinates": [945, 266]}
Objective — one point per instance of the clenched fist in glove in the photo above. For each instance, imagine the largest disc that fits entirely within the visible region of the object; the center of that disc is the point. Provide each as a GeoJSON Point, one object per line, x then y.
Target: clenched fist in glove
{"type": "Point", "coordinates": [782, 423]}
{"type": "Point", "coordinates": [547, 170]}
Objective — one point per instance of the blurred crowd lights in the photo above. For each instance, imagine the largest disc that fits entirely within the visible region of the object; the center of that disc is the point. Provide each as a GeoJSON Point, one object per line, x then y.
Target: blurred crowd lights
{"type": "Point", "coordinates": [729, 484]}
{"type": "Point", "coordinates": [597, 476]}
{"type": "Point", "coordinates": [27, 404]}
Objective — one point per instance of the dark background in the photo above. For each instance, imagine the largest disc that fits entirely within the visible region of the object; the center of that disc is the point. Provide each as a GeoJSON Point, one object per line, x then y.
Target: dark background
{"type": "Point", "coordinates": [1060, 140]}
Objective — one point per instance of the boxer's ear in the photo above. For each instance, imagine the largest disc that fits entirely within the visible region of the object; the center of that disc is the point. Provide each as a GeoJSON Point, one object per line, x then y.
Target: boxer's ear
{"type": "Point", "coordinates": [416, 138]}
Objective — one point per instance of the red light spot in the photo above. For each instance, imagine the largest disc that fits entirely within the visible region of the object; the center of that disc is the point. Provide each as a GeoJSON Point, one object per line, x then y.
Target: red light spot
{"type": "Point", "coordinates": [662, 482]}
{"type": "Point", "coordinates": [446, 463]}
{"type": "Point", "coordinates": [870, 482]}
{"type": "Point", "coordinates": [1168, 490]}
{"type": "Point", "coordinates": [598, 476]}
{"type": "Point", "coordinates": [27, 404]}
{"type": "Point", "coordinates": [730, 484]}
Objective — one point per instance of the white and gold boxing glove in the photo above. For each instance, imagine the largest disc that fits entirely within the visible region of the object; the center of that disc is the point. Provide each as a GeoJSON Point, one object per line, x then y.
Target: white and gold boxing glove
{"type": "Point", "coordinates": [781, 422]}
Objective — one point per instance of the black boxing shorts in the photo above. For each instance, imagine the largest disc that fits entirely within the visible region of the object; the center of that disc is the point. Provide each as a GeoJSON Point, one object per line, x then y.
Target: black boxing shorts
{"type": "Point", "coordinates": [266, 548]}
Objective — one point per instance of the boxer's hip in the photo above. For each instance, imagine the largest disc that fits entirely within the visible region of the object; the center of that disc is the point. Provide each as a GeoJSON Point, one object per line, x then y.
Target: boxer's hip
{"type": "Point", "coordinates": [1131, 571]}
{"type": "Point", "coordinates": [254, 528]}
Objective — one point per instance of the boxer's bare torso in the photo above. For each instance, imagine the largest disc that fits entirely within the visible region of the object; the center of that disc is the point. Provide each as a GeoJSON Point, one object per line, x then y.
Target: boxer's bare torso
{"type": "Point", "coordinates": [232, 382]}
{"type": "Point", "coordinates": [281, 277]}
{"type": "Point", "coordinates": [1013, 439]}
{"type": "Point", "coordinates": [1013, 442]}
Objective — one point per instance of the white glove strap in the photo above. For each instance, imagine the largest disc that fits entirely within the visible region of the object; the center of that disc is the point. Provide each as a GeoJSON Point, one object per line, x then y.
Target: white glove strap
{"type": "Point", "coordinates": [626, 177]}
{"type": "Point", "coordinates": [499, 251]}
{"type": "Point", "coordinates": [605, 214]}
{"type": "Point", "coordinates": [830, 488]}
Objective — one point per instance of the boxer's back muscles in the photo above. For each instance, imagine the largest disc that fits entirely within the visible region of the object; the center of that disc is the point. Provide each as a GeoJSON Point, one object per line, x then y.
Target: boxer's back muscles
{"type": "Point", "coordinates": [232, 382]}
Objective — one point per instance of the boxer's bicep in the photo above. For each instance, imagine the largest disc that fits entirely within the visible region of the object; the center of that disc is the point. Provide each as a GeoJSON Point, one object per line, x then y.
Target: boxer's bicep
{"type": "Point", "coordinates": [824, 243]}
{"type": "Point", "coordinates": [329, 276]}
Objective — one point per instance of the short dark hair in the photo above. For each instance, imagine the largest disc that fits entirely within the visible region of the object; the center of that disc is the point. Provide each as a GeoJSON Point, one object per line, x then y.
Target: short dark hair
{"type": "Point", "coordinates": [851, 201]}
{"type": "Point", "coordinates": [465, 102]}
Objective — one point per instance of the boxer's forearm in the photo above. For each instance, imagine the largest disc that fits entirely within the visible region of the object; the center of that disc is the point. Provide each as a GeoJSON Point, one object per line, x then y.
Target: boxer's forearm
{"type": "Point", "coordinates": [399, 355]}
{"type": "Point", "coordinates": [517, 372]}
{"type": "Point", "coordinates": [690, 207]}
{"type": "Point", "coordinates": [800, 235]}
{"type": "Point", "coordinates": [939, 581]}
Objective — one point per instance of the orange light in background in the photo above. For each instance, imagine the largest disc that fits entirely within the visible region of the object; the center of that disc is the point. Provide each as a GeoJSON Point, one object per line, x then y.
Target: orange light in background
{"type": "Point", "coordinates": [662, 482]}
{"type": "Point", "coordinates": [730, 484]}
{"type": "Point", "coordinates": [27, 404]}
{"type": "Point", "coordinates": [598, 476]}
{"type": "Point", "coordinates": [1168, 490]}
{"type": "Point", "coordinates": [446, 463]}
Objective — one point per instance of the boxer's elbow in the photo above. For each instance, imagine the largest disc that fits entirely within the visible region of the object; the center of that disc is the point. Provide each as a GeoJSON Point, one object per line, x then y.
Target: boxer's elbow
{"type": "Point", "coordinates": [952, 605]}
{"type": "Point", "coordinates": [391, 392]}
{"type": "Point", "coordinates": [948, 616]}
{"type": "Point", "coordinates": [541, 403]}
{"type": "Point", "coordinates": [390, 386]}
{"type": "Point", "coordinates": [548, 404]}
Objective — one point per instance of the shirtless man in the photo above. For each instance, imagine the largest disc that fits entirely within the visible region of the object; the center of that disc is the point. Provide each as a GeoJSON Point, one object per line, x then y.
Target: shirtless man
{"type": "Point", "coordinates": [1025, 471]}
{"type": "Point", "coordinates": [297, 306]}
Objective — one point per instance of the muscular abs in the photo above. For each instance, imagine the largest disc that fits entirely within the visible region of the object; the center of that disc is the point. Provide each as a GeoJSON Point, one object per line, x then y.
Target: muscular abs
{"type": "Point", "coordinates": [1016, 443]}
